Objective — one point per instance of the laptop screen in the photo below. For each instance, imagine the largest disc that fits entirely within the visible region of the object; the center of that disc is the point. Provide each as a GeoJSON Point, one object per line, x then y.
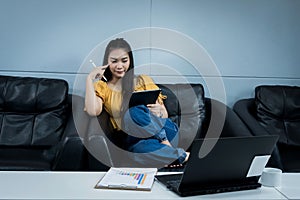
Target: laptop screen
{"type": "Point", "coordinates": [231, 164]}
{"type": "Point", "coordinates": [229, 160]}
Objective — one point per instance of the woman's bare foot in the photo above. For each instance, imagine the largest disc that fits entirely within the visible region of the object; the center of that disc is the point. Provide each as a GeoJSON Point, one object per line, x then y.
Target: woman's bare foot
{"type": "Point", "coordinates": [166, 142]}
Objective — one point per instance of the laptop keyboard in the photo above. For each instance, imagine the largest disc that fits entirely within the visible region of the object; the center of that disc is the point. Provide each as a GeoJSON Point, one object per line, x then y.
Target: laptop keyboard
{"type": "Point", "coordinates": [172, 168]}
{"type": "Point", "coordinates": [173, 182]}
{"type": "Point", "coordinates": [216, 189]}
{"type": "Point", "coordinates": [173, 179]}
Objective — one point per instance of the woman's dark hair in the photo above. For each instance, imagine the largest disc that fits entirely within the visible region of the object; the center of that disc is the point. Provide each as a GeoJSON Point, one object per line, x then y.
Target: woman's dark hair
{"type": "Point", "coordinates": [128, 79]}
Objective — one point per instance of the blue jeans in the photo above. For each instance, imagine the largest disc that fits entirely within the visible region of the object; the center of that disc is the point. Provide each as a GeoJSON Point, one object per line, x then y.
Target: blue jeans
{"type": "Point", "coordinates": [146, 132]}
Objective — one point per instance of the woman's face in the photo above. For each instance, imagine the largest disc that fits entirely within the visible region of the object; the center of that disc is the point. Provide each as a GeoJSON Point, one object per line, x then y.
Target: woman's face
{"type": "Point", "coordinates": [118, 61]}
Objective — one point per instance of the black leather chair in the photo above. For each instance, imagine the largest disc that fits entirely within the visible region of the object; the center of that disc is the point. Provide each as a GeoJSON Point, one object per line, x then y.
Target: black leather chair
{"type": "Point", "coordinates": [275, 110]}
{"type": "Point", "coordinates": [37, 130]}
{"type": "Point", "coordinates": [187, 106]}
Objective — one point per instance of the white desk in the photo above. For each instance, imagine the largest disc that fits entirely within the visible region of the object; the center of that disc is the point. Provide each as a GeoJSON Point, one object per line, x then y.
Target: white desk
{"type": "Point", "coordinates": [290, 185]}
{"type": "Point", "coordinates": [80, 185]}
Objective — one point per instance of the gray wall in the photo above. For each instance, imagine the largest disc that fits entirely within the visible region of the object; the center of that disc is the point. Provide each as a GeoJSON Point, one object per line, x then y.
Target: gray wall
{"type": "Point", "coordinates": [251, 42]}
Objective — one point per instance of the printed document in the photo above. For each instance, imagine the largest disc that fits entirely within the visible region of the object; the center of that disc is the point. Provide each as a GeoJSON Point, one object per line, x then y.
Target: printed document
{"type": "Point", "coordinates": [128, 178]}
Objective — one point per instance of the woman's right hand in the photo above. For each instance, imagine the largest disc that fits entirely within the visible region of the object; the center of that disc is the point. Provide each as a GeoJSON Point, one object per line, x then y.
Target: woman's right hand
{"type": "Point", "coordinates": [97, 72]}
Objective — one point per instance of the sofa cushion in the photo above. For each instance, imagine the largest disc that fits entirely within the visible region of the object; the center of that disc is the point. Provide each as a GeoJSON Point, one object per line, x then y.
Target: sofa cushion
{"type": "Point", "coordinates": [278, 111]}
{"type": "Point", "coordinates": [24, 159]}
{"type": "Point", "coordinates": [33, 111]}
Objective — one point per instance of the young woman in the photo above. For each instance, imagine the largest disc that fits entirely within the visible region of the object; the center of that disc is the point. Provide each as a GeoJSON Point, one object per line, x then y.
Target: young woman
{"type": "Point", "coordinates": [144, 130]}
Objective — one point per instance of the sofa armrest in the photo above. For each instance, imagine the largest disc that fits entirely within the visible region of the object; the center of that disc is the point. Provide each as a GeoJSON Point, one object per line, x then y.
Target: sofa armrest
{"type": "Point", "coordinates": [99, 158]}
{"type": "Point", "coordinates": [71, 153]}
{"type": "Point", "coordinates": [98, 144]}
{"type": "Point", "coordinates": [232, 125]}
{"type": "Point", "coordinates": [245, 109]}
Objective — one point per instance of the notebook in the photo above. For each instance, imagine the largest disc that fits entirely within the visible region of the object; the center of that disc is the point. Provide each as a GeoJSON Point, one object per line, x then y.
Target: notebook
{"type": "Point", "coordinates": [234, 163]}
{"type": "Point", "coordinates": [144, 97]}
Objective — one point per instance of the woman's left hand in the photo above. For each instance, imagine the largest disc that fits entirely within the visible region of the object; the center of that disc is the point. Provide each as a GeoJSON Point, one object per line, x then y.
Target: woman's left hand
{"type": "Point", "coordinates": [157, 109]}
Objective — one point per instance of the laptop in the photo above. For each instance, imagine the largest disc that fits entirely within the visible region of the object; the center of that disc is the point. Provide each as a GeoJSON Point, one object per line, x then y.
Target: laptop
{"type": "Point", "coordinates": [233, 164]}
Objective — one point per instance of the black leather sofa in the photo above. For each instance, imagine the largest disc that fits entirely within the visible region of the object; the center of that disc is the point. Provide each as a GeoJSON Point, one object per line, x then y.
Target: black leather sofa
{"type": "Point", "coordinates": [275, 110]}
{"type": "Point", "coordinates": [37, 130]}
{"type": "Point", "coordinates": [196, 115]}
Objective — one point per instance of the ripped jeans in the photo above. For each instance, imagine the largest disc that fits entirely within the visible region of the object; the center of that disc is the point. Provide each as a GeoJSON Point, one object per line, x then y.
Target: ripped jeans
{"type": "Point", "coordinates": [145, 134]}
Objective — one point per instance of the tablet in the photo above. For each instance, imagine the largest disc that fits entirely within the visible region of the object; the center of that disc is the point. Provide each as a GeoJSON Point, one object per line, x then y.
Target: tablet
{"type": "Point", "coordinates": [143, 97]}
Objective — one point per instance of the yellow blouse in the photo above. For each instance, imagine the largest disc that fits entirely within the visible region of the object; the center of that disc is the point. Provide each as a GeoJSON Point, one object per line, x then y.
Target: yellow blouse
{"type": "Point", "coordinates": [112, 99]}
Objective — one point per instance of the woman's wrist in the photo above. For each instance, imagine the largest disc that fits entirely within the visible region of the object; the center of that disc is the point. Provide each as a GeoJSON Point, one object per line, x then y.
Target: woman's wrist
{"type": "Point", "coordinates": [94, 78]}
{"type": "Point", "coordinates": [90, 77]}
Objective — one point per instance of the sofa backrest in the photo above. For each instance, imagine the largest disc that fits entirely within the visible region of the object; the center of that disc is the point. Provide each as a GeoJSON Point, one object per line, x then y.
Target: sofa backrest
{"type": "Point", "coordinates": [33, 111]}
{"type": "Point", "coordinates": [278, 111]}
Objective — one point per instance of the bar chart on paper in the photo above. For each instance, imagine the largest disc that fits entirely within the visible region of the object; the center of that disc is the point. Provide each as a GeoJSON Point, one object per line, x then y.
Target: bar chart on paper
{"type": "Point", "coordinates": [135, 178]}
{"type": "Point", "coordinates": [128, 178]}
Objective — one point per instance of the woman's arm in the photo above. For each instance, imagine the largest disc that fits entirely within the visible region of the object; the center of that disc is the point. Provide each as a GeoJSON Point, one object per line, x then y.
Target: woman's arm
{"type": "Point", "coordinates": [93, 104]}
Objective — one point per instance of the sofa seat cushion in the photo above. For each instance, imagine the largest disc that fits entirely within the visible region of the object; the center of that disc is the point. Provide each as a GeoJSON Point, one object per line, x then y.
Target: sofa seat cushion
{"type": "Point", "coordinates": [278, 111]}
{"type": "Point", "coordinates": [24, 159]}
